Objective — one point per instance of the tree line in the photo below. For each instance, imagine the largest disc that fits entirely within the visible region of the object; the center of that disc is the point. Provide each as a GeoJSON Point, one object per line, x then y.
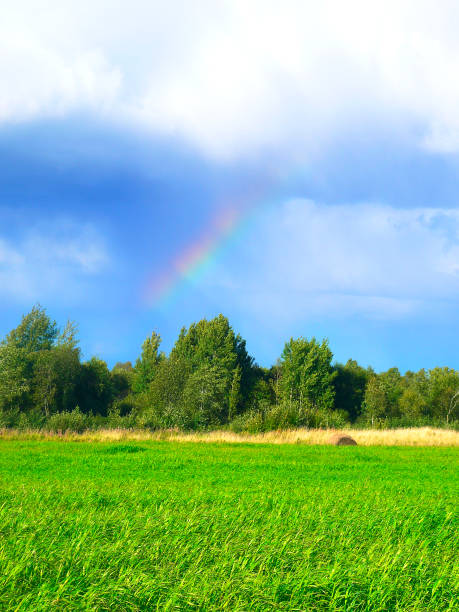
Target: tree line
{"type": "Point", "coordinates": [208, 380]}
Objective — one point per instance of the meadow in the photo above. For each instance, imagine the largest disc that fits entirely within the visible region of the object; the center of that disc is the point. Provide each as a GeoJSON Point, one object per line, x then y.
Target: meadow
{"type": "Point", "coordinates": [410, 436]}
{"type": "Point", "coordinates": [169, 525]}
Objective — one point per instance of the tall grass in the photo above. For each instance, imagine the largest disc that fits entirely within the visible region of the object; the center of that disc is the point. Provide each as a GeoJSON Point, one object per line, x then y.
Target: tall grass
{"type": "Point", "coordinates": [151, 525]}
{"type": "Point", "coordinates": [416, 436]}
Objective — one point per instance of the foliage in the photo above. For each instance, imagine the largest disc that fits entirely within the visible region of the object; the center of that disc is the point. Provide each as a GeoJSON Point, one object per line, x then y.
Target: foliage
{"type": "Point", "coordinates": [350, 383]}
{"type": "Point", "coordinates": [204, 396]}
{"type": "Point", "coordinates": [412, 404]}
{"type": "Point", "coordinates": [55, 379]}
{"type": "Point", "coordinates": [68, 337]}
{"type": "Point", "coordinates": [121, 381]}
{"type": "Point", "coordinates": [95, 391]}
{"type": "Point", "coordinates": [36, 332]}
{"type": "Point", "coordinates": [209, 381]}
{"type": "Point", "coordinates": [307, 374]}
{"type": "Point", "coordinates": [68, 421]}
{"type": "Point", "coordinates": [205, 380]}
{"type": "Point", "coordinates": [375, 403]}
{"type": "Point", "coordinates": [147, 364]}
{"type": "Point", "coordinates": [444, 385]}
{"type": "Point", "coordinates": [15, 378]}
{"type": "Point", "coordinates": [251, 421]}
{"type": "Point", "coordinates": [289, 415]}
{"type": "Point", "coordinates": [164, 396]}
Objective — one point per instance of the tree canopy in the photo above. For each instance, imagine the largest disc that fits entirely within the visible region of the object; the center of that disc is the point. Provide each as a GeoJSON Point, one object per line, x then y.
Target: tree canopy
{"type": "Point", "coordinates": [208, 380]}
{"type": "Point", "coordinates": [36, 332]}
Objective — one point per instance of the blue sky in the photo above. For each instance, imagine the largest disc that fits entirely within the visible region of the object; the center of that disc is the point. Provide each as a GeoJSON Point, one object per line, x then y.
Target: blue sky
{"type": "Point", "coordinates": [126, 128]}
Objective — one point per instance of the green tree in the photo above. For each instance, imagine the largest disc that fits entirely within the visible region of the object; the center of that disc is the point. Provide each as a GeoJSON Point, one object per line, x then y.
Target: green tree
{"type": "Point", "coordinates": [262, 393]}
{"type": "Point", "coordinates": [122, 380]}
{"type": "Point", "coordinates": [204, 396]}
{"type": "Point", "coordinates": [418, 381]}
{"type": "Point", "coordinates": [56, 373]}
{"type": "Point", "coordinates": [122, 383]}
{"type": "Point", "coordinates": [15, 369]}
{"type": "Point", "coordinates": [40, 364]}
{"type": "Point", "coordinates": [235, 393]}
{"type": "Point", "coordinates": [95, 392]}
{"type": "Point", "coordinates": [444, 386]}
{"type": "Point", "coordinates": [210, 342]}
{"type": "Point", "coordinates": [307, 375]}
{"type": "Point", "coordinates": [350, 383]}
{"type": "Point", "coordinates": [36, 332]}
{"type": "Point", "coordinates": [375, 406]}
{"type": "Point", "coordinates": [393, 388]}
{"type": "Point", "coordinates": [147, 364]}
{"type": "Point", "coordinates": [164, 397]}
{"type": "Point", "coordinates": [275, 377]}
{"type": "Point", "coordinates": [412, 404]}
{"type": "Point", "coordinates": [126, 366]}
{"type": "Point", "coordinates": [68, 337]}
{"type": "Point", "coordinates": [215, 345]}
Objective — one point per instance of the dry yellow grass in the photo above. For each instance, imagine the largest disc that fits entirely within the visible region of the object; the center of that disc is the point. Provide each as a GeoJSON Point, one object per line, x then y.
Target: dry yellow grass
{"type": "Point", "coordinates": [422, 436]}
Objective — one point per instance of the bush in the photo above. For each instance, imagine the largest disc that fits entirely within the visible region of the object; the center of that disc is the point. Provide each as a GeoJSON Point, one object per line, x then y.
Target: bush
{"type": "Point", "coordinates": [282, 416]}
{"type": "Point", "coordinates": [149, 419]}
{"type": "Point", "coordinates": [9, 418]}
{"type": "Point", "coordinates": [327, 419]}
{"type": "Point", "coordinates": [33, 419]}
{"type": "Point", "coordinates": [403, 422]}
{"type": "Point", "coordinates": [250, 422]}
{"type": "Point", "coordinates": [69, 421]}
{"type": "Point", "coordinates": [115, 420]}
{"type": "Point", "coordinates": [289, 416]}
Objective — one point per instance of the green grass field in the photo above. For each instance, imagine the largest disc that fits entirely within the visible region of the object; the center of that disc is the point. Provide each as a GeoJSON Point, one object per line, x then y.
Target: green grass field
{"type": "Point", "coordinates": [188, 526]}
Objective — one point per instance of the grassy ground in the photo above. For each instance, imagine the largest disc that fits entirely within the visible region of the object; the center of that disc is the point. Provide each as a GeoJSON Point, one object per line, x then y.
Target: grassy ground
{"type": "Point", "coordinates": [415, 436]}
{"type": "Point", "coordinates": [150, 525]}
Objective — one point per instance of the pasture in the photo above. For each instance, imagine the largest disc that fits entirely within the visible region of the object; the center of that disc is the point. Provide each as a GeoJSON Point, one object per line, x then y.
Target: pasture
{"type": "Point", "coordinates": [167, 525]}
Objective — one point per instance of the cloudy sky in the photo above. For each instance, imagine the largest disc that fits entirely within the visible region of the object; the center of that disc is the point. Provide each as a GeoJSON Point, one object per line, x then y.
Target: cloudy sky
{"type": "Point", "coordinates": [294, 165]}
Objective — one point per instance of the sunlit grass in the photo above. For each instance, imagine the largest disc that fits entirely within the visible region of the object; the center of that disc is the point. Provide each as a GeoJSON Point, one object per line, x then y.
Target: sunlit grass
{"type": "Point", "coordinates": [416, 436]}
{"type": "Point", "coordinates": [151, 525]}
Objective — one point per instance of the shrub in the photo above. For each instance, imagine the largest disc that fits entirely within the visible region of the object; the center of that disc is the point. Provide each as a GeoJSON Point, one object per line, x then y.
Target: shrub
{"type": "Point", "coordinates": [33, 419]}
{"type": "Point", "coordinates": [126, 406]}
{"type": "Point", "coordinates": [9, 418]}
{"type": "Point", "coordinates": [116, 420]}
{"type": "Point", "coordinates": [148, 419]}
{"type": "Point", "coordinates": [251, 422]}
{"type": "Point", "coordinates": [68, 421]}
{"type": "Point", "coordinates": [282, 416]}
{"type": "Point", "coordinates": [404, 422]}
{"type": "Point", "coordinates": [289, 416]}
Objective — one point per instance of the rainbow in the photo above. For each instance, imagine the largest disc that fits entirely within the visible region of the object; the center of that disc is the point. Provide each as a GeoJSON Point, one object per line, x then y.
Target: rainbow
{"type": "Point", "coordinates": [197, 256]}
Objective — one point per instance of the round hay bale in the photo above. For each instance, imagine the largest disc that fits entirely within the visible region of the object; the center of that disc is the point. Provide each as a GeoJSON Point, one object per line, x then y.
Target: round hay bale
{"type": "Point", "coordinates": [342, 440]}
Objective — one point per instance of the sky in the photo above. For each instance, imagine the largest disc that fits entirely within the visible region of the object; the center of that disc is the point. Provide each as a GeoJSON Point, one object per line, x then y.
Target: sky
{"type": "Point", "coordinates": [293, 165]}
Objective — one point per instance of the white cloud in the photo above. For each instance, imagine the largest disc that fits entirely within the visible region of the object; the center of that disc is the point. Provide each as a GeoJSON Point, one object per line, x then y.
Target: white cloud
{"type": "Point", "coordinates": [236, 77]}
{"type": "Point", "coordinates": [55, 261]}
{"type": "Point", "coordinates": [304, 259]}
{"type": "Point", "coordinates": [38, 82]}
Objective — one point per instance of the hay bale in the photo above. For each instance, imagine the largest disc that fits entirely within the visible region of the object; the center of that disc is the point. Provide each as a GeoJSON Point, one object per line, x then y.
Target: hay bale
{"type": "Point", "coordinates": [342, 440]}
